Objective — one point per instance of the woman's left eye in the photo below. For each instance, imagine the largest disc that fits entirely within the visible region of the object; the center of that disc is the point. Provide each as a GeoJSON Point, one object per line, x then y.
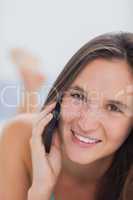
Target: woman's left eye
{"type": "Point", "coordinates": [114, 108]}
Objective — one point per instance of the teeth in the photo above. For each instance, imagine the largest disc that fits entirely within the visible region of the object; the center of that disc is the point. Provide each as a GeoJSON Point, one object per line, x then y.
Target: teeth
{"type": "Point", "coordinates": [86, 139]}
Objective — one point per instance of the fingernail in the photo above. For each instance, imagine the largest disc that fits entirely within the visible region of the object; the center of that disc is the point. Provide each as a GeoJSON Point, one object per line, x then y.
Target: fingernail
{"type": "Point", "coordinates": [50, 115]}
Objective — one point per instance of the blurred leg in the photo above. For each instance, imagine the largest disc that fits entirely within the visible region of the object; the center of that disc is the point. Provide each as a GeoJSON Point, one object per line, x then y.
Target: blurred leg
{"type": "Point", "coordinates": [32, 79]}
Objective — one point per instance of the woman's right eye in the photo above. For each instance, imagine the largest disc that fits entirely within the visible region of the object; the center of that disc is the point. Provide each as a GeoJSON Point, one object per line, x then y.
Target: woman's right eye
{"type": "Point", "coordinates": [78, 96]}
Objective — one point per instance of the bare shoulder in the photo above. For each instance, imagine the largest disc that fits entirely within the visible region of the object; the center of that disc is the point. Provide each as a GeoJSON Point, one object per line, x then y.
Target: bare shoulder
{"type": "Point", "coordinates": [18, 129]}
{"type": "Point", "coordinates": [16, 135]}
{"type": "Point", "coordinates": [15, 158]}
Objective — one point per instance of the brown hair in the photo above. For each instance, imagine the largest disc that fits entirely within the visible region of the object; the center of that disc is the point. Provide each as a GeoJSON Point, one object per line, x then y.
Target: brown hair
{"type": "Point", "coordinates": [108, 46]}
{"type": "Point", "coordinates": [127, 193]}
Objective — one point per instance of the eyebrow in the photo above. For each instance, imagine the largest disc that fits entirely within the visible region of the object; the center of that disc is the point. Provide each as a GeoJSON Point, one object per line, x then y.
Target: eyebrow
{"type": "Point", "coordinates": [111, 101]}
{"type": "Point", "coordinates": [76, 87]}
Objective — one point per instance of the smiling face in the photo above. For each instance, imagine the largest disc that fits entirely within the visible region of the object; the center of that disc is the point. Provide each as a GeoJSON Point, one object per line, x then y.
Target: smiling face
{"type": "Point", "coordinates": [96, 111]}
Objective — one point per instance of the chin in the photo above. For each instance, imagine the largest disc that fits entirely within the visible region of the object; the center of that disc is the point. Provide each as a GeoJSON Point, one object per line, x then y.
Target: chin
{"type": "Point", "coordinates": [78, 158]}
{"type": "Point", "coordinates": [79, 161]}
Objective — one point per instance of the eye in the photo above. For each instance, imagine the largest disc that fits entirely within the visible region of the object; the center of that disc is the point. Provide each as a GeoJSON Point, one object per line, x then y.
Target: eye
{"type": "Point", "coordinates": [114, 108]}
{"type": "Point", "coordinates": [78, 96]}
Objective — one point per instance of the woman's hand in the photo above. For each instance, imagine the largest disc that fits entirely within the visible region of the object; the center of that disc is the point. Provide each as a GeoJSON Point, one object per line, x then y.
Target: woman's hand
{"type": "Point", "coordinates": [46, 167]}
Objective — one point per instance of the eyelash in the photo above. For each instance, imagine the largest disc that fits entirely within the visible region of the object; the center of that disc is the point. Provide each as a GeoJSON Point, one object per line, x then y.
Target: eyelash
{"type": "Point", "coordinates": [82, 97]}
{"type": "Point", "coordinates": [78, 96]}
{"type": "Point", "coordinates": [117, 109]}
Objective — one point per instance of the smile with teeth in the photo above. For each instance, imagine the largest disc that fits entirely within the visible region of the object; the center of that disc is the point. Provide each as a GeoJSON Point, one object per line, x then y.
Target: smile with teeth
{"type": "Point", "coordinates": [87, 140]}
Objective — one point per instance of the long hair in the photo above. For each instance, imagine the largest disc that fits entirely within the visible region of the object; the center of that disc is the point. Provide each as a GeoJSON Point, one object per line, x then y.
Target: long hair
{"type": "Point", "coordinates": [107, 46]}
{"type": "Point", "coordinates": [127, 193]}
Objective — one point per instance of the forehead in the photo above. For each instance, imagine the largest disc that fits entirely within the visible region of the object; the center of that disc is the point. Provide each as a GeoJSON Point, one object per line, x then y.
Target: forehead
{"type": "Point", "coordinates": [105, 76]}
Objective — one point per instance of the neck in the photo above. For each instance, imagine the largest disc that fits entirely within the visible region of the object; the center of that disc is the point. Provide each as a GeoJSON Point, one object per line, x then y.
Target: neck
{"type": "Point", "coordinates": [78, 181]}
{"type": "Point", "coordinates": [85, 174]}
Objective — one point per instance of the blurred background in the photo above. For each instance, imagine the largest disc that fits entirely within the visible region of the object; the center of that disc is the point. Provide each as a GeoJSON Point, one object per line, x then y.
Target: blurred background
{"type": "Point", "coordinates": [52, 31]}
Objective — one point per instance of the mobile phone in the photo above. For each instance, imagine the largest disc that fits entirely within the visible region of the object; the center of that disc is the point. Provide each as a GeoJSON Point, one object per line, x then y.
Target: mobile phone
{"type": "Point", "coordinates": [49, 129]}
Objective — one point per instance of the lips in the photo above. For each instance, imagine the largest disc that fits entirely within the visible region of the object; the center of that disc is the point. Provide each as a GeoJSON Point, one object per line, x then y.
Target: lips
{"type": "Point", "coordinates": [85, 139]}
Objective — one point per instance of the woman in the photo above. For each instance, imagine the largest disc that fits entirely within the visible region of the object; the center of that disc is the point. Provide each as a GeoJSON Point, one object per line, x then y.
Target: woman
{"type": "Point", "coordinates": [91, 151]}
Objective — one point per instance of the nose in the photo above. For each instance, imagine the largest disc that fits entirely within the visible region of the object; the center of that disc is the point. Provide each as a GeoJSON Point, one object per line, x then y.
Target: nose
{"type": "Point", "coordinates": [89, 121]}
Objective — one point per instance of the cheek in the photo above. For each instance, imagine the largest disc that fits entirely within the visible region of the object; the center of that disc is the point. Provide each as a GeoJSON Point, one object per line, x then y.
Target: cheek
{"type": "Point", "coordinates": [117, 132]}
{"type": "Point", "coordinates": [69, 113]}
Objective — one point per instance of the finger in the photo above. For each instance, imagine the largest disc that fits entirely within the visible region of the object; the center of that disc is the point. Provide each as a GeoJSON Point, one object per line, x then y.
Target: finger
{"type": "Point", "coordinates": [38, 154]}
{"type": "Point", "coordinates": [55, 147]}
{"type": "Point", "coordinates": [46, 110]}
{"type": "Point", "coordinates": [41, 115]}
{"type": "Point", "coordinates": [38, 129]}
{"type": "Point", "coordinates": [37, 147]}
{"type": "Point", "coordinates": [54, 157]}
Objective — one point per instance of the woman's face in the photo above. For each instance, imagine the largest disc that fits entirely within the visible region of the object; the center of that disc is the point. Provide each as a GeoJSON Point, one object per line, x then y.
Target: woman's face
{"type": "Point", "coordinates": [96, 111]}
